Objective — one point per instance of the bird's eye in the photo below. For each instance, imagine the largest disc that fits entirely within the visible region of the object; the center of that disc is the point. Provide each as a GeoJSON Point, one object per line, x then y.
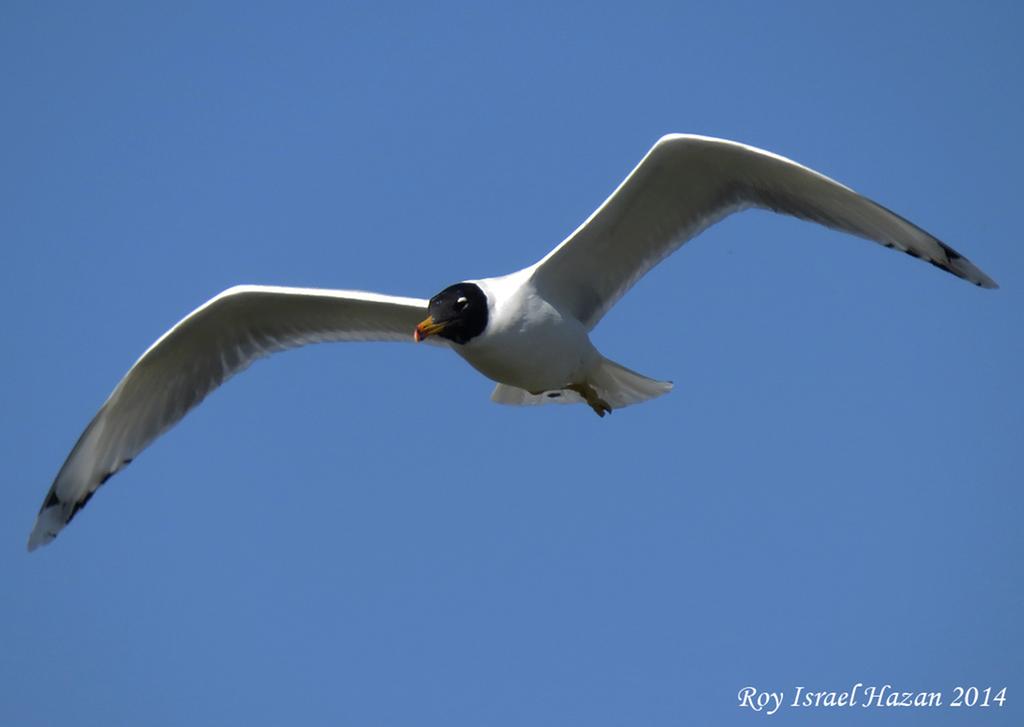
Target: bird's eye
{"type": "Point", "coordinates": [461, 304]}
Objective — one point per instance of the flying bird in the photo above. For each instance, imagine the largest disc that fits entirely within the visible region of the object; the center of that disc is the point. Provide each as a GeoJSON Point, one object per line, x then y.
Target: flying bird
{"type": "Point", "coordinates": [528, 331]}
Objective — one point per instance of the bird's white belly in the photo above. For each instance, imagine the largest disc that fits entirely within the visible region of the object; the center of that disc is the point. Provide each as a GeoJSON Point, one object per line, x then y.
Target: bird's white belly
{"type": "Point", "coordinates": [535, 348]}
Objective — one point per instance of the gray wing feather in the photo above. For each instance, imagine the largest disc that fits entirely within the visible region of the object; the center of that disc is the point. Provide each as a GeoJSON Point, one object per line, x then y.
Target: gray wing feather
{"type": "Point", "coordinates": [687, 183]}
{"type": "Point", "coordinates": [217, 340]}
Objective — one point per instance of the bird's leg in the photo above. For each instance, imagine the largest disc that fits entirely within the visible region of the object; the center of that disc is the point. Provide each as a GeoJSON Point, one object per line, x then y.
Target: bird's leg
{"type": "Point", "coordinates": [599, 405]}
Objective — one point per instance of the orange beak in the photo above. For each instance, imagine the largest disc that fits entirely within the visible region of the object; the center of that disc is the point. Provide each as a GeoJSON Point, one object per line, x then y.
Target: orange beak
{"type": "Point", "coordinates": [427, 328]}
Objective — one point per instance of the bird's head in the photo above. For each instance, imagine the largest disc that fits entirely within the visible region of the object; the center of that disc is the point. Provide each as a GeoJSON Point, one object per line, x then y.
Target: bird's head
{"type": "Point", "coordinates": [458, 313]}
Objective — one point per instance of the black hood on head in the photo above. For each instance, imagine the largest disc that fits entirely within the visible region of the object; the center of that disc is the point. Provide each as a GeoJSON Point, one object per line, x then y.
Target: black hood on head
{"type": "Point", "coordinates": [462, 308]}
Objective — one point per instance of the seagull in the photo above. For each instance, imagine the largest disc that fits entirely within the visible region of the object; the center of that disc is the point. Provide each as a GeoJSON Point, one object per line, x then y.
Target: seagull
{"type": "Point", "coordinates": [528, 331]}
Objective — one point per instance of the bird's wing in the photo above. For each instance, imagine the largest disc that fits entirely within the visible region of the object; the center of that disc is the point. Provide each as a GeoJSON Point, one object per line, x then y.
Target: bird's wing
{"type": "Point", "coordinates": [685, 184]}
{"type": "Point", "coordinates": [214, 342]}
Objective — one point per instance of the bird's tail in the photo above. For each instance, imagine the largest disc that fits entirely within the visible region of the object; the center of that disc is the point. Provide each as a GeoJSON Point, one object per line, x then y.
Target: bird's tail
{"type": "Point", "coordinates": [621, 387]}
{"type": "Point", "coordinates": [616, 384]}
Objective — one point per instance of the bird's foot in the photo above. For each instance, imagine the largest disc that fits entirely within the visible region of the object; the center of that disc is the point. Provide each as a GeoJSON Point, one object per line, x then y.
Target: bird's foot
{"type": "Point", "coordinates": [599, 405]}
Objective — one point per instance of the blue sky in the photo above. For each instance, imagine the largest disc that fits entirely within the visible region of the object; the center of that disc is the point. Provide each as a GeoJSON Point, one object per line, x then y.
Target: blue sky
{"type": "Point", "coordinates": [354, 534]}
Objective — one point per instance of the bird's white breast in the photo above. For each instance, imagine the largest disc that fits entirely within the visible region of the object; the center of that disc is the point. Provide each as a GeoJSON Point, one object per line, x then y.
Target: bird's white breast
{"type": "Point", "coordinates": [528, 342]}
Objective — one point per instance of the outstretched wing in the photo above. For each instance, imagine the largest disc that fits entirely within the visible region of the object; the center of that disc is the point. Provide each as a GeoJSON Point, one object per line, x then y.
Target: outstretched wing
{"type": "Point", "coordinates": [687, 183]}
{"type": "Point", "coordinates": [211, 344]}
